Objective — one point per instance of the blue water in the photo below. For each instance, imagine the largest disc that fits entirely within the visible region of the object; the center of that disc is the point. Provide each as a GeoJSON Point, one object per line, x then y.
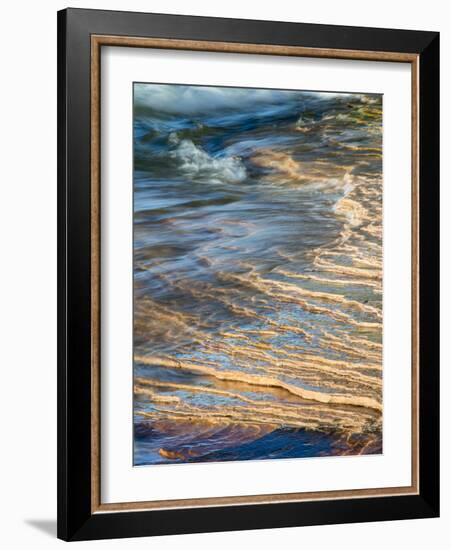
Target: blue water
{"type": "Point", "coordinates": [257, 274]}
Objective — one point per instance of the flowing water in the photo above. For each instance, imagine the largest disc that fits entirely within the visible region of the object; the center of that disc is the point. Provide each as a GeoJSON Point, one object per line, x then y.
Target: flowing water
{"type": "Point", "coordinates": [257, 274]}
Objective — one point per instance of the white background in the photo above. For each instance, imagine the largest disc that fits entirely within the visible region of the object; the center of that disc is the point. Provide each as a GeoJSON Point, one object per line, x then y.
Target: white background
{"type": "Point", "coordinates": [120, 482]}
{"type": "Point", "coordinates": [28, 275]}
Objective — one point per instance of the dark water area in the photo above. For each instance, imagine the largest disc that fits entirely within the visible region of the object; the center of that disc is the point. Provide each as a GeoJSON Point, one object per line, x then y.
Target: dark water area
{"type": "Point", "coordinates": [279, 443]}
{"type": "Point", "coordinates": [257, 274]}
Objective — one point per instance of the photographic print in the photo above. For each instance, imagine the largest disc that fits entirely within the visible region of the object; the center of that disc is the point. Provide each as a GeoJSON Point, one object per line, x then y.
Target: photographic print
{"type": "Point", "coordinates": [257, 268]}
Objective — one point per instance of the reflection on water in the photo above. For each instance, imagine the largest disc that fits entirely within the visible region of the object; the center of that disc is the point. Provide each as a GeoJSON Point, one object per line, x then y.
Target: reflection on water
{"type": "Point", "coordinates": [257, 274]}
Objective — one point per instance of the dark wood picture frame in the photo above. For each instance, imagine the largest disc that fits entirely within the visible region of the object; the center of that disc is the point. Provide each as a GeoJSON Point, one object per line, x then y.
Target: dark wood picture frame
{"type": "Point", "coordinates": [81, 34]}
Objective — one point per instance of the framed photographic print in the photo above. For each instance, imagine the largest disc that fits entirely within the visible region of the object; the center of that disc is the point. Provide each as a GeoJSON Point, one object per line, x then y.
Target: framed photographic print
{"type": "Point", "coordinates": [248, 274]}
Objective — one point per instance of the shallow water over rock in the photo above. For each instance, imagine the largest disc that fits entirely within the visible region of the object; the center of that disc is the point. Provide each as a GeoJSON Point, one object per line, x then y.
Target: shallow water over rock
{"type": "Point", "coordinates": [257, 274]}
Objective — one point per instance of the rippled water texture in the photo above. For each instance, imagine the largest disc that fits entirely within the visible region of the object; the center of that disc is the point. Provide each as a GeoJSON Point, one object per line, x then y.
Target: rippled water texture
{"type": "Point", "coordinates": [257, 274]}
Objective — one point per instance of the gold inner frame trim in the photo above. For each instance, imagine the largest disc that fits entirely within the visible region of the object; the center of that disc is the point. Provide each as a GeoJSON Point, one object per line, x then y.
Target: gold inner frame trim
{"type": "Point", "coordinates": [97, 41]}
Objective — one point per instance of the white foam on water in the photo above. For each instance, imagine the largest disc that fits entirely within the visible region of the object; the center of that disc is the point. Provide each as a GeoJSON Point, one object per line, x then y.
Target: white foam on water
{"type": "Point", "coordinates": [197, 163]}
